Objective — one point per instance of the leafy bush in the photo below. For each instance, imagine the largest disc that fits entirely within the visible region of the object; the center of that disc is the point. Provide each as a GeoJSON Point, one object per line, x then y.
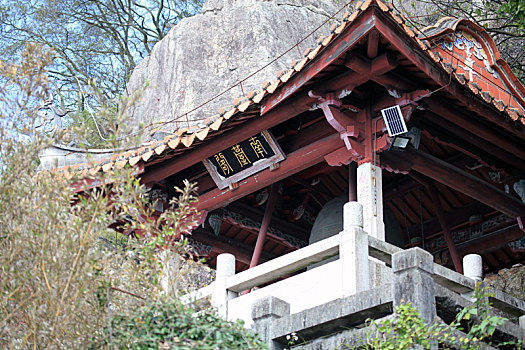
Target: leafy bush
{"type": "Point", "coordinates": [170, 325]}
{"type": "Point", "coordinates": [472, 326]}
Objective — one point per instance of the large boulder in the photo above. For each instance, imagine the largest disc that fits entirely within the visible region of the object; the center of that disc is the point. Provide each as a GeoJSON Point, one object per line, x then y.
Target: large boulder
{"type": "Point", "coordinates": [206, 54]}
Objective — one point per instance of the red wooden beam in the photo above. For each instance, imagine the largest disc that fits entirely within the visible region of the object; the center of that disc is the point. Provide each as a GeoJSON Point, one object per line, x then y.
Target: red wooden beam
{"type": "Point", "coordinates": [337, 49]}
{"type": "Point", "coordinates": [395, 81]}
{"type": "Point", "coordinates": [463, 135]}
{"type": "Point", "coordinates": [458, 118]}
{"type": "Point", "coordinates": [454, 218]}
{"type": "Point", "coordinates": [378, 66]}
{"type": "Point", "coordinates": [493, 241]}
{"type": "Point", "coordinates": [457, 179]}
{"type": "Point", "coordinates": [261, 237]}
{"type": "Point", "coordinates": [373, 44]}
{"type": "Point", "coordinates": [397, 37]}
{"type": "Point", "coordinates": [444, 226]}
{"type": "Point", "coordinates": [295, 162]}
{"type": "Point", "coordinates": [256, 214]}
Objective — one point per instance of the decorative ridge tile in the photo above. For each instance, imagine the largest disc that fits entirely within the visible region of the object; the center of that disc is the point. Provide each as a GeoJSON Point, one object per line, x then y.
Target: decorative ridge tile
{"type": "Point", "coordinates": [307, 51]}
{"type": "Point", "coordinates": [487, 96]}
{"type": "Point", "coordinates": [174, 142]}
{"type": "Point", "coordinates": [258, 98]}
{"type": "Point", "coordinates": [513, 113]}
{"type": "Point", "coordinates": [134, 160]}
{"type": "Point", "coordinates": [160, 149]}
{"type": "Point", "coordinates": [251, 94]}
{"type": "Point", "coordinates": [340, 28]}
{"type": "Point", "coordinates": [354, 16]}
{"type": "Point", "coordinates": [499, 104]}
{"type": "Point", "coordinates": [285, 77]}
{"type": "Point", "coordinates": [333, 26]}
{"type": "Point", "coordinates": [365, 5]}
{"type": "Point", "coordinates": [462, 78]}
{"type": "Point", "coordinates": [300, 65]}
{"type": "Point", "coordinates": [383, 6]}
{"type": "Point", "coordinates": [327, 40]}
{"type": "Point", "coordinates": [121, 163]}
{"type": "Point", "coordinates": [475, 86]}
{"type": "Point", "coordinates": [201, 135]}
{"type": "Point", "coordinates": [320, 39]}
{"type": "Point", "coordinates": [273, 86]}
{"type": "Point", "coordinates": [314, 52]}
{"type": "Point", "coordinates": [188, 140]}
{"type": "Point", "coordinates": [147, 155]}
{"type": "Point", "coordinates": [230, 113]}
{"type": "Point", "coordinates": [244, 105]}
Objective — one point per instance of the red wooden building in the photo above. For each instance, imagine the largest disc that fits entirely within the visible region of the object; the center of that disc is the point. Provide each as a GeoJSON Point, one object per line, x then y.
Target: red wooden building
{"type": "Point", "coordinates": [277, 156]}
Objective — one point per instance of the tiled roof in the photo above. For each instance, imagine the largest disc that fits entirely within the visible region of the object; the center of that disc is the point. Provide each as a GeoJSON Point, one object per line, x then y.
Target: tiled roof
{"type": "Point", "coordinates": [189, 137]}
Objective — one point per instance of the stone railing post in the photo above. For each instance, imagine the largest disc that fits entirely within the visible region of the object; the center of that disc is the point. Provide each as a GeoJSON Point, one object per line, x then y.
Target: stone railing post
{"type": "Point", "coordinates": [220, 295]}
{"type": "Point", "coordinates": [473, 267]}
{"type": "Point", "coordinates": [353, 251]}
{"type": "Point", "coordinates": [264, 312]}
{"type": "Point", "coordinates": [413, 282]}
{"type": "Point", "coordinates": [522, 322]}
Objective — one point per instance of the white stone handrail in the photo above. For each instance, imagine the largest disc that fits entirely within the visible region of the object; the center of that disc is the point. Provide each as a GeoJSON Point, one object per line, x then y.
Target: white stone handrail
{"type": "Point", "coordinates": [198, 294]}
{"type": "Point", "coordinates": [354, 248]}
{"type": "Point", "coordinates": [284, 265]}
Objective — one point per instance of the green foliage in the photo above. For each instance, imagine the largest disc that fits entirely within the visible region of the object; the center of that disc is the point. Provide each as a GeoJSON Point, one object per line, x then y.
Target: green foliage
{"type": "Point", "coordinates": [516, 8]}
{"type": "Point", "coordinates": [97, 39]}
{"type": "Point", "coordinates": [63, 271]}
{"type": "Point", "coordinates": [407, 330]}
{"type": "Point", "coordinates": [170, 325]}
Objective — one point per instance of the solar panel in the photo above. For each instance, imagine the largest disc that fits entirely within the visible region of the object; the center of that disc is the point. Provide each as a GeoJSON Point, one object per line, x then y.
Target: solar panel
{"type": "Point", "coordinates": [395, 123]}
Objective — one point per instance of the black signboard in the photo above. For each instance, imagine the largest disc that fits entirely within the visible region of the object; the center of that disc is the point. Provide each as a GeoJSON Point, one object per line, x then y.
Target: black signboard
{"type": "Point", "coordinates": [241, 156]}
{"type": "Point", "coordinates": [243, 159]}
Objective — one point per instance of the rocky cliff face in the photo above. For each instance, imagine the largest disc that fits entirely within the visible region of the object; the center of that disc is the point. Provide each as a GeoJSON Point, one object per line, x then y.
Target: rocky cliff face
{"type": "Point", "coordinates": [206, 54]}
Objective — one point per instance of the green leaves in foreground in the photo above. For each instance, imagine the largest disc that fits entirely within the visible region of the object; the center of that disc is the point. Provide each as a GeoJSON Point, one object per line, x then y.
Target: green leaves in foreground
{"type": "Point", "coordinates": [170, 325]}
{"type": "Point", "coordinates": [407, 330]}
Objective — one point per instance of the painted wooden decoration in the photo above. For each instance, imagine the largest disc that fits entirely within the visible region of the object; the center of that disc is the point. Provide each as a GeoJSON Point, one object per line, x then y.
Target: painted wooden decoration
{"type": "Point", "coordinates": [246, 158]}
{"type": "Point", "coordinates": [470, 51]}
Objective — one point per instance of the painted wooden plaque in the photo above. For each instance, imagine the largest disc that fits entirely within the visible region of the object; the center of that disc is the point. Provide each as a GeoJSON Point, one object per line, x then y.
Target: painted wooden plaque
{"type": "Point", "coordinates": [243, 159]}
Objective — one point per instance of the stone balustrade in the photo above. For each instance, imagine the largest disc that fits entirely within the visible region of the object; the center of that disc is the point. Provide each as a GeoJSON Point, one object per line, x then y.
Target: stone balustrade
{"type": "Point", "coordinates": [367, 281]}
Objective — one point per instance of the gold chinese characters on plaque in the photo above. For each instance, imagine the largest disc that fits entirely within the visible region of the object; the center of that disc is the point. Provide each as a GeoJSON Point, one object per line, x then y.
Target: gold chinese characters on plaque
{"type": "Point", "coordinates": [243, 159]}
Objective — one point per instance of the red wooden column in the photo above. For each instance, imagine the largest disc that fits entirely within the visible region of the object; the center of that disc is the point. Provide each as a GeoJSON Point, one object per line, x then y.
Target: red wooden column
{"type": "Point", "coordinates": [264, 225]}
{"type": "Point", "coordinates": [444, 227]}
{"type": "Point", "coordinates": [352, 182]}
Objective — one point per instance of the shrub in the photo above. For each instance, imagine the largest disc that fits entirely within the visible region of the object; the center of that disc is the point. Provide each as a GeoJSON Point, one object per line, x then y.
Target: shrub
{"type": "Point", "coordinates": [171, 325]}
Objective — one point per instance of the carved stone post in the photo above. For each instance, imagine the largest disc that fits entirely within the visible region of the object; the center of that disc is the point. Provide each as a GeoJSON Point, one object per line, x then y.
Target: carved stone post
{"type": "Point", "coordinates": [413, 282]}
{"type": "Point", "coordinates": [353, 251]}
{"type": "Point", "coordinates": [171, 266]}
{"type": "Point", "coordinates": [264, 312]}
{"type": "Point", "coordinates": [473, 267]}
{"type": "Point", "coordinates": [220, 296]}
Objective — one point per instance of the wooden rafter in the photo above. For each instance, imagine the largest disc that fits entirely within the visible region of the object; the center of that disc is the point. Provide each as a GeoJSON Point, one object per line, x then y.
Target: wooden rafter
{"type": "Point", "coordinates": [457, 179]}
